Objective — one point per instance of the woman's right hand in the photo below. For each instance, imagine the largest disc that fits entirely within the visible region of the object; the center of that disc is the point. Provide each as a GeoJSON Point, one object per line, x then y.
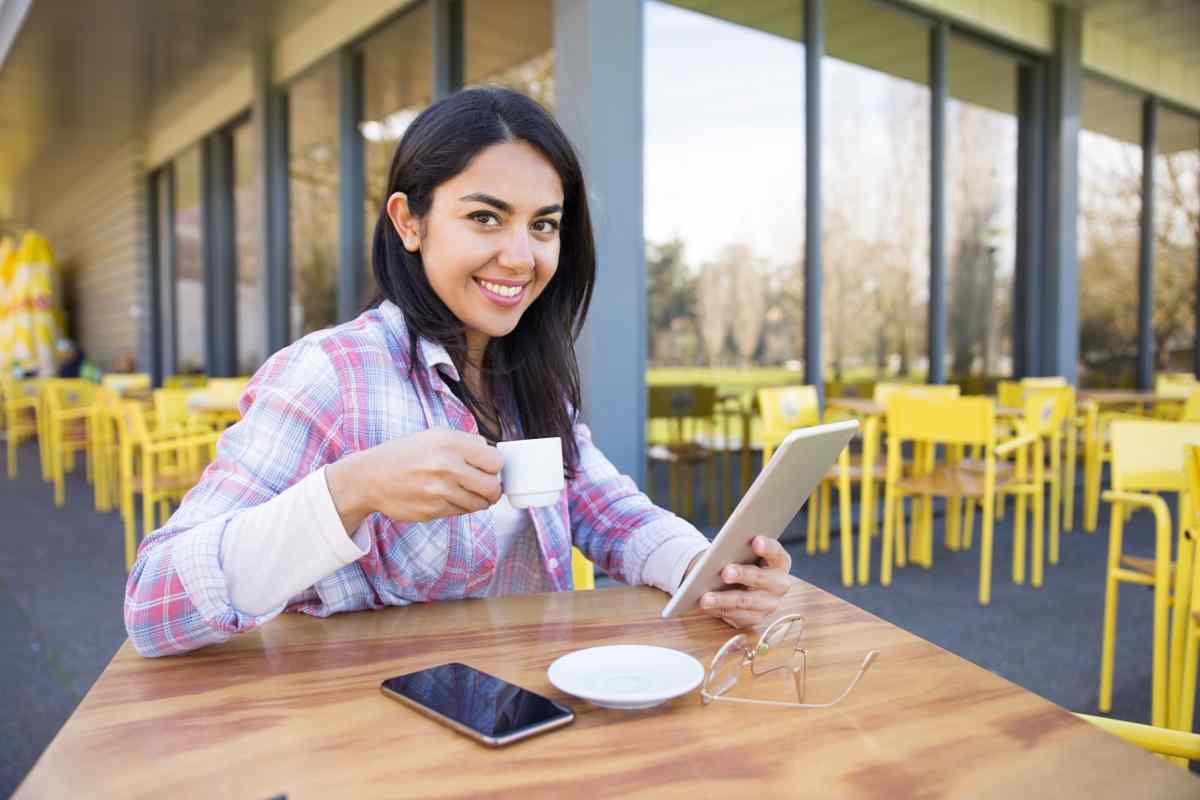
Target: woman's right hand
{"type": "Point", "coordinates": [431, 474]}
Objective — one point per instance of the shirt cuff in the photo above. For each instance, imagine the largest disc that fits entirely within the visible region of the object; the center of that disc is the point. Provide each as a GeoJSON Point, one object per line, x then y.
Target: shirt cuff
{"type": "Point", "coordinates": [666, 564]}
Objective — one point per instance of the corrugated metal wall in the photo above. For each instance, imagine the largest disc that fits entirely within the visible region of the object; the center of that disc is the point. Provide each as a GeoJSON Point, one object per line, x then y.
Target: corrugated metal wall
{"type": "Point", "coordinates": [93, 210]}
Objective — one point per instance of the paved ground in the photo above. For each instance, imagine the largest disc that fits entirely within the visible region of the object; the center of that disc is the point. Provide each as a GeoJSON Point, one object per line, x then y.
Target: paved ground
{"type": "Point", "coordinates": [62, 580]}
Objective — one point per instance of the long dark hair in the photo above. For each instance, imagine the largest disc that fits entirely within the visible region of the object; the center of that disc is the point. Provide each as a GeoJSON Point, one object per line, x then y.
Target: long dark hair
{"type": "Point", "coordinates": [537, 359]}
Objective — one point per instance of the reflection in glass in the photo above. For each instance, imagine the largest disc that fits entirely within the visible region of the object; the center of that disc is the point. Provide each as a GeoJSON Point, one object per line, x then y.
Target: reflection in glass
{"type": "Point", "coordinates": [1177, 223]}
{"type": "Point", "coordinates": [313, 184]}
{"type": "Point", "coordinates": [250, 323]}
{"type": "Point", "coordinates": [511, 44]}
{"type": "Point", "coordinates": [189, 265]}
{"type": "Point", "coordinates": [1110, 174]}
{"type": "Point", "coordinates": [981, 219]}
{"type": "Point", "coordinates": [398, 85]}
{"type": "Point", "coordinates": [724, 185]}
{"type": "Point", "coordinates": [875, 150]}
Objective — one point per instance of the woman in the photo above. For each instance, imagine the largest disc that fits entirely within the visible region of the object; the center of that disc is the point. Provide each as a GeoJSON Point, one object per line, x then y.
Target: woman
{"type": "Point", "coordinates": [361, 476]}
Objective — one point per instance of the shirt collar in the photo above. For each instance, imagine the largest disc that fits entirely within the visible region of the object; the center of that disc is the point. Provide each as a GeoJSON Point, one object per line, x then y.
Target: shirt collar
{"type": "Point", "coordinates": [432, 354]}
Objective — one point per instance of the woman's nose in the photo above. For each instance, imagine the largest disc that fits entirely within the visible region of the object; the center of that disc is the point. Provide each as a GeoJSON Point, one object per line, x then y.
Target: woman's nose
{"type": "Point", "coordinates": [517, 253]}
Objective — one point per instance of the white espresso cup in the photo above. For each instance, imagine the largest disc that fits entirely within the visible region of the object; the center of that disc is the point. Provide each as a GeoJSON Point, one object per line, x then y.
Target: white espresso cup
{"type": "Point", "coordinates": [533, 471]}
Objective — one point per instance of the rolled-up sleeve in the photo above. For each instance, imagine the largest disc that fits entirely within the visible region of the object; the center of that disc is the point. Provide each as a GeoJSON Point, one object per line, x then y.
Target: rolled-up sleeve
{"type": "Point", "coordinates": [617, 526]}
{"type": "Point", "coordinates": [177, 596]}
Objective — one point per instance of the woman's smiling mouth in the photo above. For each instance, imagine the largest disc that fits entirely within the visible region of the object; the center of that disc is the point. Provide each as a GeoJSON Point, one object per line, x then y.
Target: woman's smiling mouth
{"type": "Point", "coordinates": [504, 294]}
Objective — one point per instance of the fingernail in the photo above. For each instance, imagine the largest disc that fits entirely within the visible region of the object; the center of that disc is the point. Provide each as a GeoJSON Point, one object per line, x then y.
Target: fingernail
{"type": "Point", "coordinates": [709, 601]}
{"type": "Point", "coordinates": [759, 542]}
{"type": "Point", "coordinates": [731, 574]}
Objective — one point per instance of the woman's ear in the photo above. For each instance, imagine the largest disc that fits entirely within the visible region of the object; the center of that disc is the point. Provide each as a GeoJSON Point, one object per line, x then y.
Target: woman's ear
{"type": "Point", "coordinates": [406, 224]}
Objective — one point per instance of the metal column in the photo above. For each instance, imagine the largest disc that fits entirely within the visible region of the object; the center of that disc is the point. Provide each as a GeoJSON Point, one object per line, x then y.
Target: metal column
{"type": "Point", "coordinates": [598, 98]}
{"type": "Point", "coordinates": [938, 90]}
{"type": "Point", "coordinates": [220, 256]}
{"type": "Point", "coordinates": [814, 44]}
{"type": "Point", "coordinates": [1145, 344]}
{"type": "Point", "coordinates": [447, 47]}
{"type": "Point", "coordinates": [1060, 272]}
{"type": "Point", "coordinates": [168, 330]}
{"type": "Point", "coordinates": [150, 320]}
{"type": "Point", "coordinates": [352, 249]}
{"type": "Point", "coordinates": [1030, 191]}
{"type": "Point", "coordinates": [274, 235]}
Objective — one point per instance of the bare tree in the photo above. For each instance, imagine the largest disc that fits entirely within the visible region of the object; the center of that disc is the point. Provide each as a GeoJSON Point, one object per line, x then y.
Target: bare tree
{"type": "Point", "coordinates": [714, 311]}
{"type": "Point", "coordinates": [749, 299]}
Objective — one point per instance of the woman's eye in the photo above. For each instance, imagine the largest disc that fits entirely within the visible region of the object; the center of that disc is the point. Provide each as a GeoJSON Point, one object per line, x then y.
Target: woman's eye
{"type": "Point", "coordinates": [486, 218]}
{"type": "Point", "coordinates": [546, 225]}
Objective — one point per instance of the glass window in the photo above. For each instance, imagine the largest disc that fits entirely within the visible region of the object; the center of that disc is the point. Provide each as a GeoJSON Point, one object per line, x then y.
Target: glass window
{"type": "Point", "coordinates": [313, 184]}
{"type": "Point", "coordinates": [398, 85]}
{"type": "Point", "coordinates": [981, 218]}
{"type": "Point", "coordinates": [189, 265]}
{"type": "Point", "coordinates": [875, 151]}
{"type": "Point", "coordinates": [251, 325]}
{"type": "Point", "coordinates": [1110, 174]}
{"type": "Point", "coordinates": [724, 187]}
{"type": "Point", "coordinates": [511, 44]}
{"type": "Point", "coordinates": [1177, 220]}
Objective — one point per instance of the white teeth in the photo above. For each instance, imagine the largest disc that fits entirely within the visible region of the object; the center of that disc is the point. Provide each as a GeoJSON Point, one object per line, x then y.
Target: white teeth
{"type": "Point", "coordinates": [503, 291]}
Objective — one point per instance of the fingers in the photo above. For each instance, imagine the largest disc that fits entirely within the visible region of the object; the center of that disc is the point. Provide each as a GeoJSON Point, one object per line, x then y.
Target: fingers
{"type": "Point", "coordinates": [464, 499]}
{"type": "Point", "coordinates": [772, 553]}
{"type": "Point", "coordinates": [479, 482]}
{"type": "Point", "coordinates": [478, 453]}
{"type": "Point", "coordinates": [774, 581]}
{"type": "Point", "coordinates": [755, 603]}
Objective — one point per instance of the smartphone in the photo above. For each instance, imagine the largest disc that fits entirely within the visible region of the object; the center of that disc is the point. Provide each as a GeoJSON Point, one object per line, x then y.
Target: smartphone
{"type": "Point", "coordinates": [489, 710]}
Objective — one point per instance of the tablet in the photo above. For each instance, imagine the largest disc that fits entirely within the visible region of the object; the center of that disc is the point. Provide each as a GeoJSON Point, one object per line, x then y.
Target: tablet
{"type": "Point", "coordinates": [776, 496]}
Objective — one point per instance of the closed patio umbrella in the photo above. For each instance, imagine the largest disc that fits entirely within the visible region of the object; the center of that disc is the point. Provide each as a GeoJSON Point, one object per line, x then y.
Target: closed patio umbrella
{"type": "Point", "coordinates": [35, 318]}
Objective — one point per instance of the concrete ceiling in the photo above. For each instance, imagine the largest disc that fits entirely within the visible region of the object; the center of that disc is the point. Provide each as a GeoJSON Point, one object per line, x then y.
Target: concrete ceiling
{"type": "Point", "coordinates": [86, 74]}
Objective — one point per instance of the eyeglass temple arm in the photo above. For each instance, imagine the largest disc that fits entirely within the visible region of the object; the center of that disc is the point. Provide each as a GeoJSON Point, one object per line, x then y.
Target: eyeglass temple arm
{"type": "Point", "coordinates": [867, 661]}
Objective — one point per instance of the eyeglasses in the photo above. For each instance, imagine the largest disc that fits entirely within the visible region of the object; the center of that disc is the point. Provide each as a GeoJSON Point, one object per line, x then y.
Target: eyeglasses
{"type": "Point", "coordinates": [779, 647]}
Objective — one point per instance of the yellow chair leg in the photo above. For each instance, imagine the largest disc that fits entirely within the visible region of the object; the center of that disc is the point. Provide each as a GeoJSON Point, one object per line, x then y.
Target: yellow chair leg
{"type": "Point", "coordinates": [814, 523]}
{"type": "Point", "coordinates": [56, 469]}
{"type": "Point", "coordinates": [845, 528]}
{"type": "Point", "coordinates": [968, 531]}
{"type": "Point", "coordinates": [1182, 595]}
{"type": "Point", "coordinates": [985, 544]}
{"type": "Point", "coordinates": [901, 542]}
{"type": "Point", "coordinates": [1069, 479]}
{"type": "Point", "coordinates": [1055, 498]}
{"type": "Point", "coordinates": [1039, 544]}
{"type": "Point", "coordinates": [1109, 635]}
{"type": "Point", "coordinates": [1018, 563]}
{"type": "Point", "coordinates": [1160, 678]}
{"type": "Point", "coordinates": [826, 504]}
{"type": "Point", "coordinates": [1091, 489]}
{"type": "Point", "coordinates": [885, 551]}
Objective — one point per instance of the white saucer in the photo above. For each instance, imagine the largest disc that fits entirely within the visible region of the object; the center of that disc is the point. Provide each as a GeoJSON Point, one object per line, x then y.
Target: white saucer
{"type": "Point", "coordinates": [626, 676]}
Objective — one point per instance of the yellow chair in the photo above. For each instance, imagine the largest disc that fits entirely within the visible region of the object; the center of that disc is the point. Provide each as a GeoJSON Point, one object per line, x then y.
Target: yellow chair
{"type": "Point", "coordinates": [71, 426]}
{"type": "Point", "coordinates": [783, 410]}
{"type": "Point", "coordinates": [22, 414]}
{"type": "Point", "coordinates": [122, 382]}
{"type": "Point", "coordinates": [1049, 414]}
{"type": "Point", "coordinates": [1191, 408]}
{"type": "Point", "coordinates": [1186, 646]}
{"type": "Point", "coordinates": [1147, 458]}
{"type": "Point", "coordinates": [583, 572]}
{"type": "Point", "coordinates": [185, 381]}
{"type": "Point", "coordinates": [956, 423]}
{"type": "Point", "coordinates": [171, 408]}
{"type": "Point", "coordinates": [162, 468]}
{"type": "Point", "coordinates": [689, 413]}
{"type": "Point", "coordinates": [1177, 744]}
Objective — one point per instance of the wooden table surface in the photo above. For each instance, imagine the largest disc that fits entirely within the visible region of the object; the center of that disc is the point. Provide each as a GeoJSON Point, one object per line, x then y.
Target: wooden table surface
{"type": "Point", "coordinates": [866, 407]}
{"type": "Point", "coordinates": [1125, 396]}
{"type": "Point", "coordinates": [294, 709]}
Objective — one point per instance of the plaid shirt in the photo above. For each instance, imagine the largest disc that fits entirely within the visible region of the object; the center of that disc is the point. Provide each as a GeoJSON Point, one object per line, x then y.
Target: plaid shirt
{"type": "Point", "coordinates": [342, 390]}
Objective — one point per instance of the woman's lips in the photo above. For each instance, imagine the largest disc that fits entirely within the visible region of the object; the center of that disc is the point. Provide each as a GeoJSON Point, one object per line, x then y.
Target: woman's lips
{"type": "Point", "coordinates": [497, 294]}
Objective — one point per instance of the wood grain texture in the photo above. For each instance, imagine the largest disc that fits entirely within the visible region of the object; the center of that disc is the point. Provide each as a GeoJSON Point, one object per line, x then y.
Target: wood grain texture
{"type": "Point", "coordinates": [1123, 396]}
{"type": "Point", "coordinates": [295, 708]}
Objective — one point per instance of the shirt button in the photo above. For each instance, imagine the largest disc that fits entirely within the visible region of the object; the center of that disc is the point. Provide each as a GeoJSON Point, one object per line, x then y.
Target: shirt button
{"type": "Point", "coordinates": [554, 563]}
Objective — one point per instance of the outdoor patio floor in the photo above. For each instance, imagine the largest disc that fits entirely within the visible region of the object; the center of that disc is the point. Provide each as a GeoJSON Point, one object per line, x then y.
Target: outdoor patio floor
{"type": "Point", "coordinates": [62, 581]}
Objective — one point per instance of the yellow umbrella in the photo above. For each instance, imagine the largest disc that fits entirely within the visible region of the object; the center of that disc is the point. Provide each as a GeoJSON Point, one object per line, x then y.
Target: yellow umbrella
{"type": "Point", "coordinates": [8, 266]}
{"type": "Point", "coordinates": [35, 323]}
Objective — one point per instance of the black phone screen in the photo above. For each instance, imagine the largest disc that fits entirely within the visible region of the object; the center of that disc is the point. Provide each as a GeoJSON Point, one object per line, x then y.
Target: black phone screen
{"type": "Point", "coordinates": [483, 702]}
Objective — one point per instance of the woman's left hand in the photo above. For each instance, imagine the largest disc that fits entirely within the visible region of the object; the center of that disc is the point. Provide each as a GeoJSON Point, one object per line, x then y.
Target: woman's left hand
{"type": "Point", "coordinates": [755, 590]}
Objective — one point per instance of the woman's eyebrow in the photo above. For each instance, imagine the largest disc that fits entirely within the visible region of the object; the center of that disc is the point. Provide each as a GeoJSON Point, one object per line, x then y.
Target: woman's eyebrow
{"type": "Point", "coordinates": [496, 202]}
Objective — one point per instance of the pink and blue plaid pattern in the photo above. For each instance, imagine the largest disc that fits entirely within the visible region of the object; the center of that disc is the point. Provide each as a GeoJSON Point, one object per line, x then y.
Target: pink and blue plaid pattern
{"type": "Point", "coordinates": [342, 390]}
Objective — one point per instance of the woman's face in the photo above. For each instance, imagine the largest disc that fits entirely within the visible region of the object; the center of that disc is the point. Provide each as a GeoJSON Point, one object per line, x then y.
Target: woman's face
{"type": "Point", "coordinates": [490, 241]}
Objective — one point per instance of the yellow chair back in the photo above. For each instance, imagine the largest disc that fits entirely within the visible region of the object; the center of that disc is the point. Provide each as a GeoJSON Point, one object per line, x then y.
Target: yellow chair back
{"type": "Point", "coordinates": [785, 408]}
{"type": "Point", "coordinates": [1010, 393]}
{"type": "Point", "coordinates": [1191, 407]}
{"type": "Point", "coordinates": [1046, 410]}
{"type": "Point", "coordinates": [185, 381]}
{"type": "Point", "coordinates": [950, 420]}
{"type": "Point", "coordinates": [171, 406]}
{"type": "Point", "coordinates": [1044, 382]}
{"type": "Point", "coordinates": [883, 391]}
{"type": "Point", "coordinates": [1148, 455]}
{"type": "Point", "coordinates": [68, 393]}
{"type": "Point", "coordinates": [1175, 384]}
{"type": "Point", "coordinates": [121, 382]}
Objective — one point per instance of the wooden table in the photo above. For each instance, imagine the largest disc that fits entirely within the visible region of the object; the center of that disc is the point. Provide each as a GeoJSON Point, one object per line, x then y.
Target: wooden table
{"type": "Point", "coordinates": [1121, 397]}
{"type": "Point", "coordinates": [294, 708]}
